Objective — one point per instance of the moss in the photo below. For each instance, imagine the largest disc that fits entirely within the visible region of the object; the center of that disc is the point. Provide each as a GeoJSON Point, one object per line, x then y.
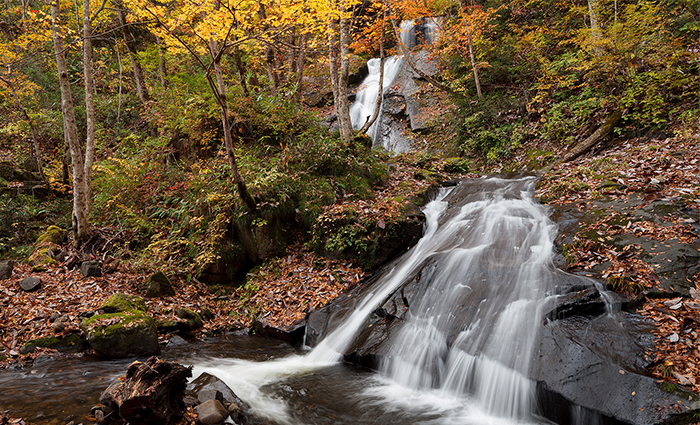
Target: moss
{"type": "Point", "coordinates": [118, 303]}
{"type": "Point", "coordinates": [71, 342]}
{"type": "Point", "coordinates": [53, 234]}
{"type": "Point", "coordinates": [109, 323]}
{"type": "Point", "coordinates": [42, 255]}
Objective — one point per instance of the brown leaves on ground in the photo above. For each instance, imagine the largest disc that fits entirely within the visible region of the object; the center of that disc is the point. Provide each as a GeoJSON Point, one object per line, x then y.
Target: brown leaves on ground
{"type": "Point", "coordinates": [647, 171]}
{"type": "Point", "coordinates": [677, 332]}
{"type": "Point", "coordinates": [286, 289]}
{"type": "Point", "coordinates": [655, 169]}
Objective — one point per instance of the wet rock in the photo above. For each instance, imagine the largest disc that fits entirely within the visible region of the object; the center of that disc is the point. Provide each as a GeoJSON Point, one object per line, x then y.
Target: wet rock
{"type": "Point", "coordinates": [211, 412]}
{"type": "Point", "coordinates": [603, 376]}
{"type": "Point", "coordinates": [30, 283]}
{"type": "Point", "coordinates": [292, 334]}
{"type": "Point", "coordinates": [193, 319]}
{"type": "Point", "coordinates": [119, 335]}
{"type": "Point", "coordinates": [6, 269]}
{"type": "Point", "coordinates": [91, 269]}
{"type": "Point", "coordinates": [176, 341]}
{"type": "Point", "coordinates": [158, 285]}
{"type": "Point", "coordinates": [208, 387]}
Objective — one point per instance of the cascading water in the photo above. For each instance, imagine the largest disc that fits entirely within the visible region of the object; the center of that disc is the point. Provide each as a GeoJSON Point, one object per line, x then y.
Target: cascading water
{"type": "Point", "coordinates": [468, 335]}
{"type": "Point", "coordinates": [363, 107]}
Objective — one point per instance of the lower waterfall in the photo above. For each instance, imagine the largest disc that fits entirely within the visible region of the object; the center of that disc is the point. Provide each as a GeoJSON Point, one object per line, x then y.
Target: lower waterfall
{"type": "Point", "coordinates": [462, 351]}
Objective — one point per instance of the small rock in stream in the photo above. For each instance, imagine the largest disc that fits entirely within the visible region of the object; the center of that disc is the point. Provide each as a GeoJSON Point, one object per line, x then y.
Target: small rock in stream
{"type": "Point", "coordinates": [211, 412]}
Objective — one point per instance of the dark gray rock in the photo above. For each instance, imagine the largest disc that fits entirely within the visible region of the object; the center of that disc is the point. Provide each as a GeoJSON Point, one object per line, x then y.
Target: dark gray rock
{"type": "Point", "coordinates": [158, 285]}
{"type": "Point", "coordinates": [211, 412]}
{"type": "Point", "coordinates": [292, 334]}
{"type": "Point", "coordinates": [91, 268]}
{"type": "Point", "coordinates": [6, 269]}
{"type": "Point", "coordinates": [176, 341]}
{"type": "Point", "coordinates": [29, 284]}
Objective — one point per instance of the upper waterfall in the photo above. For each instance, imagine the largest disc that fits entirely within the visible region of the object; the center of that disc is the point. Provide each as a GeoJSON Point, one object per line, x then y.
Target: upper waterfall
{"type": "Point", "coordinates": [412, 33]}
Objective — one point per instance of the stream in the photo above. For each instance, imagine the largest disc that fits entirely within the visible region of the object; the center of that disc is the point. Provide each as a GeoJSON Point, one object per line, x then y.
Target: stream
{"type": "Point", "coordinates": [473, 325]}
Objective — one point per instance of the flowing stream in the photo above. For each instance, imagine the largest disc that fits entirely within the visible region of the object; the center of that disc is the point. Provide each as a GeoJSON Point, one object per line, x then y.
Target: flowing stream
{"type": "Point", "coordinates": [463, 351]}
{"type": "Point", "coordinates": [459, 354]}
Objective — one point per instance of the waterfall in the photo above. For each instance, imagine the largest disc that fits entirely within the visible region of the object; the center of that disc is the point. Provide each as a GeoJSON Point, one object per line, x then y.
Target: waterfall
{"type": "Point", "coordinates": [482, 276]}
{"type": "Point", "coordinates": [361, 110]}
{"type": "Point", "coordinates": [490, 270]}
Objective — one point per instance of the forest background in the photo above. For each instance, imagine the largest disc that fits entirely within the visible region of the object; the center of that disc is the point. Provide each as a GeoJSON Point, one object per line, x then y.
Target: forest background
{"type": "Point", "coordinates": [193, 137]}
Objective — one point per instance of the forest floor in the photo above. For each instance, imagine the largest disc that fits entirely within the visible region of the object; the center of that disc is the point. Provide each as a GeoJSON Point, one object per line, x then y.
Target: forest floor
{"type": "Point", "coordinates": [285, 289]}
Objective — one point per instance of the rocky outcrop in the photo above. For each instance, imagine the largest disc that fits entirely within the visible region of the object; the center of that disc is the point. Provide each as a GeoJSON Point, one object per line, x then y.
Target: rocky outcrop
{"type": "Point", "coordinates": [587, 364]}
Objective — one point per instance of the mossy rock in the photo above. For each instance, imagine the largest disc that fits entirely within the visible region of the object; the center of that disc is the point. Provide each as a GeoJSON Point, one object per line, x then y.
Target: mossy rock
{"type": "Point", "coordinates": [68, 343]}
{"type": "Point", "coordinates": [46, 248]}
{"type": "Point", "coordinates": [118, 303]}
{"type": "Point", "coordinates": [120, 335]}
{"type": "Point", "coordinates": [53, 234]}
{"type": "Point", "coordinates": [158, 285]}
{"type": "Point", "coordinates": [192, 317]}
{"type": "Point", "coordinates": [43, 256]}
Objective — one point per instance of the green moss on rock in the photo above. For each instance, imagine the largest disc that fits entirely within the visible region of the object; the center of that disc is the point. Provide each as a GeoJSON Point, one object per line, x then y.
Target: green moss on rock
{"type": "Point", "coordinates": [124, 334]}
{"type": "Point", "coordinates": [68, 343]}
{"type": "Point", "coordinates": [118, 303]}
{"type": "Point", "coordinates": [53, 234]}
{"type": "Point", "coordinates": [158, 285]}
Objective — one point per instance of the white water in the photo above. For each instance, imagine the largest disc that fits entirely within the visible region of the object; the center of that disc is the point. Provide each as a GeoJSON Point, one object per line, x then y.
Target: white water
{"type": "Point", "coordinates": [489, 271]}
{"type": "Point", "coordinates": [366, 97]}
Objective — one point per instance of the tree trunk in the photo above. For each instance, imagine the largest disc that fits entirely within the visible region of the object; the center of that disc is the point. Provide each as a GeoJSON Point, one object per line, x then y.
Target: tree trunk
{"type": "Point", "coordinates": [338, 46]}
{"type": "Point", "coordinates": [380, 93]}
{"type": "Point", "coordinates": [162, 70]}
{"type": "Point", "coordinates": [240, 70]}
{"type": "Point", "coordinates": [602, 133]}
{"type": "Point", "coordinates": [130, 42]}
{"type": "Point", "coordinates": [89, 105]}
{"type": "Point", "coordinates": [152, 393]}
{"type": "Point", "coordinates": [220, 92]}
{"type": "Point", "coordinates": [80, 209]}
{"type": "Point", "coordinates": [301, 58]}
{"type": "Point", "coordinates": [32, 128]}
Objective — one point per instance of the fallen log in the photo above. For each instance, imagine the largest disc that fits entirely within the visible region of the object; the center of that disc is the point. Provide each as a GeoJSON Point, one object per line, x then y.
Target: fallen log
{"type": "Point", "coordinates": [602, 133]}
{"type": "Point", "coordinates": [152, 393]}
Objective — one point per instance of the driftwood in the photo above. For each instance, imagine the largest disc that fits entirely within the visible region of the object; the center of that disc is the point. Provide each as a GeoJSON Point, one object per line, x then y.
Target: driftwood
{"type": "Point", "coordinates": [602, 133]}
{"type": "Point", "coordinates": [152, 393]}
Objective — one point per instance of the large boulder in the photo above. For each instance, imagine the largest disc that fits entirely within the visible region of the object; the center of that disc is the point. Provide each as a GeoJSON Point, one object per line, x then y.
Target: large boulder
{"type": "Point", "coordinates": [120, 335]}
